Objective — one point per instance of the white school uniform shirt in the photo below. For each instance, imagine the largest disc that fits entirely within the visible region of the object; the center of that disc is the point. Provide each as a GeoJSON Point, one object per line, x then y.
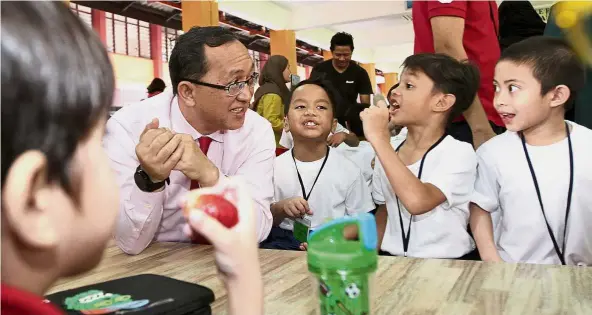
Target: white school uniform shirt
{"type": "Point", "coordinates": [363, 154]}
{"type": "Point", "coordinates": [287, 141]}
{"type": "Point", "coordinates": [339, 191]}
{"type": "Point", "coordinates": [442, 232]}
{"type": "Point", "coordinates": [504, 185]}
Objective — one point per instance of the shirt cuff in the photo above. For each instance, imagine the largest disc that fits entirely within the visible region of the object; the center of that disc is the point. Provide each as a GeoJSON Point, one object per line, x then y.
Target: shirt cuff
{"type": "Point", "coordinates": [379, 201]}
{"type": "Point", "coordinates": [144, 204]}
{"type": "Point", "coordinates": [484, 202]}
{"type": "Point", "coordinates": [447, 11]}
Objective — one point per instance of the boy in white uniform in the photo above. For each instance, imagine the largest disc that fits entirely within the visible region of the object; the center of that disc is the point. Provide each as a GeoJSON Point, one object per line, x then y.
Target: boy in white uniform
{"type": "Point", "coordinates": [538, 174]}
{"type": "Point", "coordinates": [312, 180]}
{"type": "Point", "coordinates": [423, 184]}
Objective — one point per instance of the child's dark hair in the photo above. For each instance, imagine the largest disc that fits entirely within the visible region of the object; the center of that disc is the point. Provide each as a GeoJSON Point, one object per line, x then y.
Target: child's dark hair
{"type": "Point", "coordinates": [57, 84]}
{"type": "Point", "coordinates": [325, 85]}
{"type": "Point", "coordinates": [342, 39]}
{"type": "Point", "coordinates": [553, 63]}
{"type": "Point", "coordinates": [157, 85]}
{"type": "Point", "coordinates": [450, 76]}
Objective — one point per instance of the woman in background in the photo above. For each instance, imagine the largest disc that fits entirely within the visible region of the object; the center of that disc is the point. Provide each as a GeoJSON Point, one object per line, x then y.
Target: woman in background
{"type": "Point", "coordinates": [273, 94]}
{"type": "Point", "coordinates": [156, 87]}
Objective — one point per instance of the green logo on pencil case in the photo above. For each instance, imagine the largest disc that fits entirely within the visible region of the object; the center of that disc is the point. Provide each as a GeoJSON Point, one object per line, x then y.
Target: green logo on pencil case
{"type": "Point", "coordinates": [99, 302]}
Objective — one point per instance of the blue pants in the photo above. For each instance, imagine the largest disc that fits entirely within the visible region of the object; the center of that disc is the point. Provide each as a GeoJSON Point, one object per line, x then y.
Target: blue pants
{"type": "Point", "coordinates": [280, 239]}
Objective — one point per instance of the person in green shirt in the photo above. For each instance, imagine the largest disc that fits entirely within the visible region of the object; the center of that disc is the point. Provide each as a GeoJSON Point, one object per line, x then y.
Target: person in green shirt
{"type": "Point", "coordinates": [582, 109]}
{"type": "Point", "coordinates": [273, 94]}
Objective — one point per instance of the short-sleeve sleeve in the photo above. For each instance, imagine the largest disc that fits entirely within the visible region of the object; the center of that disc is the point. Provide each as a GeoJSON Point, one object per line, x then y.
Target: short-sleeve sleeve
{"type": "Point", "coordinates": [317, 72]}
{"type": "Point", "coordinates": [286, 140]}
{"type": "Point", "coordinates": [455, 175]}
{"type": "Point", "coordinates": [454, 8]}
{"type": "Point", "coordinates": [339, 128]}
{"type": "Point", "coordinates": [359, 198]}
{"type": "Point", "coordinates": [377, 179]}
{"type": "Point", "coordinates": [486, 193]}
{"type": "Point", "coordinates": [365, 85]}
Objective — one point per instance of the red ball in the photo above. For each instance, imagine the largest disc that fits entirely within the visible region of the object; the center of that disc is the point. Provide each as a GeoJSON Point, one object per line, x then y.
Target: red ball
{"type": "Point", "coordinates": [215, 206]}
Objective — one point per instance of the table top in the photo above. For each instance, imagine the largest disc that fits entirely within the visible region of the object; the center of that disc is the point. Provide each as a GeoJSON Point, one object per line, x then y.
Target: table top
{"type": "Point", "coordinates": [401, 285]}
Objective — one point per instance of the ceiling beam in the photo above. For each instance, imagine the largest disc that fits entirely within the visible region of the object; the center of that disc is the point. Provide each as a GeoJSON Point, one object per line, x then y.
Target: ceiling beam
{"type": "Point", "coordinates": [344, 12]}
{"type": "Point", "coordinates": [265, 13]}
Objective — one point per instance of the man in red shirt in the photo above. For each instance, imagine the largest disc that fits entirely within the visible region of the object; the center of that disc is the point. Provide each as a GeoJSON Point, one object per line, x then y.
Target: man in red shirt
{"type": "Point", "coordinates": [464, 30]}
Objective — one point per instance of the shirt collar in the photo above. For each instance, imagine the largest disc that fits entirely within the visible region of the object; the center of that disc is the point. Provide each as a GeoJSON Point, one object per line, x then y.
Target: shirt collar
{"type": "Point", "coordinates": [180, 125]}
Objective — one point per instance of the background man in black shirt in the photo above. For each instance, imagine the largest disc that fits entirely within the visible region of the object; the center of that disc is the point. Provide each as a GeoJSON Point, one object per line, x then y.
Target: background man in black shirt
{"type": "Point", "coordinates": [347, 77]}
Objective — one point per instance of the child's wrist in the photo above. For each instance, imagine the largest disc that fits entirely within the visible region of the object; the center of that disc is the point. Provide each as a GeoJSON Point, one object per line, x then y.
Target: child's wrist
{"type": "Point", "coordinates": [244, 271]}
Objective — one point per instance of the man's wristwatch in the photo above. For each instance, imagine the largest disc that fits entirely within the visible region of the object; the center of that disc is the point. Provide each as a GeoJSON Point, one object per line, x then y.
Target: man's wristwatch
{"type": "Point", "coordinates": [144, 182]}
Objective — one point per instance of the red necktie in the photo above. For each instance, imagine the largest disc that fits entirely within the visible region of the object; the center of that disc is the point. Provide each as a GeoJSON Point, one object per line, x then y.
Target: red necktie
{"type": "Point", "coordinates": [204, 145]}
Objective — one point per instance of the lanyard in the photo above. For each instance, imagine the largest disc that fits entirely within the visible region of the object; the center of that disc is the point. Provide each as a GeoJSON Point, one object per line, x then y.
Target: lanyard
{"type": "Point", "coordinates": [560, 253]}
{"type": "Point", "coordinates": [304, 195]}
{"type": "Point", "coordinates": [404, 237]}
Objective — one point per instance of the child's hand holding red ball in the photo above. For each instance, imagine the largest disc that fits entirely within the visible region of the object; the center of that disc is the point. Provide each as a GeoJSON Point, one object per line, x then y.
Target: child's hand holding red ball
{"type": "Point", "coordinates": [224, 216]}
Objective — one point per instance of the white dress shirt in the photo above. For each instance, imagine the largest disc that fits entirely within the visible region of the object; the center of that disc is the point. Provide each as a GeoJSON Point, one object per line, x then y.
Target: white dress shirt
{"type": "Point", "coordinates": [247, 152]}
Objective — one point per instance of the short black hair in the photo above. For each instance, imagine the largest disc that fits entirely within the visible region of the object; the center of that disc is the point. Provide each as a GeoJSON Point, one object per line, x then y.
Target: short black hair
{"type": "Point", "coordinates": [188, 59]}
{"type": "Point", "coordinates": [57, 84]}
{"type": "Point", "coordinates": [388, 95]}
{"type": "Point", "coordinates": [342, 39]}
{"type": "Point", "coordinates": [325, 85]}
{"type": "Point", "coordinates": [157, 85]}
{"type": "Point", "coordinates": [450, 76]}
{"type": "Point", "coordinates": [553, 63]}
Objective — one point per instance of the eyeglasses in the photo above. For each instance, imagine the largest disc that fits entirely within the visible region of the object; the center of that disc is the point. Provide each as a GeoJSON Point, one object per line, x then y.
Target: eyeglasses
{"type": "Point", "coordinates": [232, 89]}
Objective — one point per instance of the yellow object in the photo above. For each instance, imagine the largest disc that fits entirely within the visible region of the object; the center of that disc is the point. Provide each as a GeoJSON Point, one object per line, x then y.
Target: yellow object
{"type": "Point", "coordinates": [371, 69]}
{"type": "Point", "coordinates": [283, 42]}
{"type": "Point", "coordinates": [390, 79]}
{"type": "Point", "coordinates": [270, 107]}
{"type": "Point", "coordinates": [572, 17]}
{"type": "Point", "coordinates": [199, 13]}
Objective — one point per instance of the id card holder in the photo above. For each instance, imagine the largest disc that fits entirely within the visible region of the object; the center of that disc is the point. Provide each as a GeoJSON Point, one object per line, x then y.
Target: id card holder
{"type": "Point", "coordinates": [301, 229]}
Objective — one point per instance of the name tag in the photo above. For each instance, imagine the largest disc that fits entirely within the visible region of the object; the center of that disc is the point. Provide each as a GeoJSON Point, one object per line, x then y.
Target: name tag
{"type": "Point", "coordinates": [301, 229]}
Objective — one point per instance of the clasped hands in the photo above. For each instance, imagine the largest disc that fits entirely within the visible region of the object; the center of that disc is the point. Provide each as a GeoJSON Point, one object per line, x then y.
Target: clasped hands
{"type": "Point", "coordinates": [160, 151]}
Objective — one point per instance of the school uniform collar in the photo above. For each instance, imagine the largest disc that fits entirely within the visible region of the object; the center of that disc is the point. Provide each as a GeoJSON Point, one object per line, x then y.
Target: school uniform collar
{"type": "Point", "coordinates": [180, 125]}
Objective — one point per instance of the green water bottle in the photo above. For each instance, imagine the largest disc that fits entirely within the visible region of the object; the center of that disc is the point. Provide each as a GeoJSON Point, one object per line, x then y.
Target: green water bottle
{"type": "Point", "coordinates": [343, 268]}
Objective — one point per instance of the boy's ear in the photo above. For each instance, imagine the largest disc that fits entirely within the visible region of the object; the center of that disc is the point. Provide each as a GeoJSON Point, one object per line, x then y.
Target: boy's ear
{"type": "Point", "coordinates": [445, 103]}
{"type": "Point", "coordinates": [286, 124]}
{"type": "Point", "coordinates": [28, 202]}
{"type": "Point", "coordinates": [334, 125]}
{"type": "Point", "coordinates": [559, 95]}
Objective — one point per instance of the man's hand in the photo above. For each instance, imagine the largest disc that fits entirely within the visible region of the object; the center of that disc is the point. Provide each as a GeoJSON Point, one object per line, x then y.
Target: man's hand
{"type": "Point", "coordinates": [375, 120]}
{"type": "Point", "coordinates": [336, 139]}
{"type": "Point", "coordinates": [194, 164]}
{"type": "Point", "coordinates": [295, 207]}
{"type": "Point", "coordinates": [158, 151]}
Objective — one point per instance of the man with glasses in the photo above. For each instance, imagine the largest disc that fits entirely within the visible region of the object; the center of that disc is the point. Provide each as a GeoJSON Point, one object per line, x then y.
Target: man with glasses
{"type": "Point", "coordinates": [193, 136]}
